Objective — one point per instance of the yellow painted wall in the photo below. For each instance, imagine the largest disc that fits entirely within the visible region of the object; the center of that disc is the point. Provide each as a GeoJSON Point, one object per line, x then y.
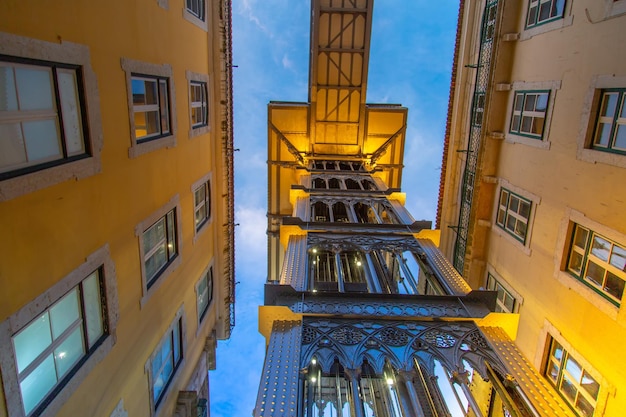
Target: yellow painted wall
{"type": "Point", "coordinates": [573, 54]}
{"type": "Point", "coordinates": [48, 233]}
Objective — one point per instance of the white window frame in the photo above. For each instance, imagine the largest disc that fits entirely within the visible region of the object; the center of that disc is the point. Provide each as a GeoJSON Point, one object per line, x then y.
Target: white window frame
{"type": "Point", "coordinates": [137, 69]}
{"type": "Point", "coordinates": [194, 18]}
{"type": "Point", "coordinates": [614, 8]}
{"type": "Point", "coordinates": [209, 275]}
{"type": "Point", "coordinates": [140, 229]}
{"type": "Point", "coordinates": [548, 26]}
{"type": "Point", "coordinates": [100, 259]}
{"type": "Point", "coordinates": [179, 320]}
{"type": "Point", "coordinates": [66, 53]}
{"type": "Point", "coordinates": [519, 300]}
{"type": "Point", "coordinates": [205, 179]}
{"type": "Point", "coordinates": [535, 201]}
{"type": "Point", "coordinates": [561, 252]}
{"type": "Point", "coordinates": [591, 107]}
{"type": "Point", "coordinates": [548, 332]}
{"type": "Point", "coordinates": [194, 77]}
{"type": "Point", "coordinates": [542, 142]}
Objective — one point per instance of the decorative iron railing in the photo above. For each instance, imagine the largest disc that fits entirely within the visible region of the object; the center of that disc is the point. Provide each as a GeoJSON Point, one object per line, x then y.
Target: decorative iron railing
{"type": "Point", "coordinates": [483, 75]}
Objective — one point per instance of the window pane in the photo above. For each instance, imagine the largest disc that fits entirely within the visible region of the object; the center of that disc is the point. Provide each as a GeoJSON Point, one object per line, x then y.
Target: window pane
{"type": "Point", "coordinates": [515, 123]}
{"type": "Point", "coordinates": [574, 368]}
{"type": "Point", "coordinates": [568, 388]}
{"type": "Point", "coordinates": [609, 104]}
{"type": "Point", "coordinates": [93, 308]}
{"type": "Point", "coordinates": [69, 352]}
{"type": "Point", "coordinates": [542, 102]}
{"type": "Point", "coordinates": [70, 109]}
{"type": "Point", "coordinates": [155, 234]}
{"type": "Point", "coordinates": [590, 385]}
{"type": "Point", "coordinates": [600, 247]}
{"type": "Point", "coordinates": [620, 137]}
{"type": "Point", "coordinates": [614, 285]}
{"type": "Point", "coordinates": [164, 107]}
{"type": "Point", "coordinates": [42, 140]}
{"type": "Point", "coordinates": [519, 101]}
{"type": "Point", "coordinates": [31, 341]}
{"type": "Point", "coordinates": [34, 88]}
{"type": "Point", "coordinates": [603, 135]}
{"type": "Point", "coordinates": [64, 313]}
{"type": "Point", "coordinates": [146, 123]}
{"type": "Point", "coordinates": [595, 273]}
{"type": "Point", "coordinates": [156, 261]}
{"type": "Point", "coordinates": [171, 237]}
{"type": "Point", "coordinates": [575, 262]}
{"type": "Point", "coordinates": [7, 89]}
{"type": "Point", "coordinates": [580, 238]}
{"type": "Point", "coordinates": [144, 91]}
{"type": "Point", "coordinates": [524, 209]}
{"type": "Point", "coordinates": [529, 103]}
{"type": "Point", "coordinates": [552, 372]}
{"type": "Point", "coordinates": [527, 123]}
{"type": "Point", "coordinates": [176, 337]}
{"type": "Point", "coordinates": [36, 385]}
{"type": "Point", "coordinates": [12, 151]}
{"type": "Point", "coordinates": [584, 407]}
{"type": "Point", "coordinates": [618, 258]}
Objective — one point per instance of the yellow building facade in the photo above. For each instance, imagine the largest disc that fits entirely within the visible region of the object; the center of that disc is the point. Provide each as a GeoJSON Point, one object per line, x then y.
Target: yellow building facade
{"type": "Point", "coordinates": [532, 203]}
{"type": "Point", "coordinates": [116, 205]}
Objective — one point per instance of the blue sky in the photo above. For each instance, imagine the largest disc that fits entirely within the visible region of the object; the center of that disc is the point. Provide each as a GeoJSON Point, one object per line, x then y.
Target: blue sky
{"type": "Point", "coordinates": [410, 63]}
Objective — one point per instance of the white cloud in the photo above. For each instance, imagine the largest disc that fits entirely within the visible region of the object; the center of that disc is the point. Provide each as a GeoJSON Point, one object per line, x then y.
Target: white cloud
{"type": "Point", "coordinates": [287, 63]}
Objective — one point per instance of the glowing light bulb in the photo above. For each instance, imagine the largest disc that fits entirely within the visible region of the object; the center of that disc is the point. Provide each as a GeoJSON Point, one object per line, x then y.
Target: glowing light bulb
{"type": "Point", "coordinates": [314, 250]}
{"type": "Point", "coordinates": [313, 379]}
{"type": "Point", "coordinates": [389, 381]}
{"type": "Point", "coordinates": [313, 361]}
{"type": "Point", "coordinates": [358, 263]}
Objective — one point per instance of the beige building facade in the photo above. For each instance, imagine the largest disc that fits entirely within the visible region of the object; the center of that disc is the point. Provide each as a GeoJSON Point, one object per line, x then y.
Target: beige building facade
{"type": "Point", "coordinates": [532, 201]}
{"type": "Point", "coordinates": [116, 205]}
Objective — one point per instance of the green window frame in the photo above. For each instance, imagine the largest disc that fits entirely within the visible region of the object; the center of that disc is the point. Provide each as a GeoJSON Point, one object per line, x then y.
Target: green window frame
{"type": "Point", "coordinates": [478, 109]}
{"type": "Point", "coordinates": [489, 21]}
{"type": "Point", "coordinates": [570, 378]}
{"type": "Point", "coordinates": [514, 214]}
{"type": "Point", "coordinates": [50, 349]}
{"type": "Point", "coordinates": [610, 129]}
{"type": "Point", "coordinates": [528, 115]}
{"type": "Point", "coordinates": [544, 11]}
{"type": "Point", "coordinates": [598, 262]}
{"type": "Point", "coordinates": [505, 301]}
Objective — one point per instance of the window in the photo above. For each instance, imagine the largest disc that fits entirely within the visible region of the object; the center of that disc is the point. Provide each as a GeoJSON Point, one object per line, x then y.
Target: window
{"type": "Point", "coordinates": [160, 240]}
{"type": "Point", "coordinates": [196, 8]}
{"type": "Point", "coordinates": [202, 204]}
{"type": "Point", "coordinates": [195, 11]}
{"type": "Point", "coordinates": [478, 109]}
{"type": "Point", "coordinates": [542, 11]}
{"type": "Point", "coordinates": [610, 129]}
{"type": "Point", "coordinates": [529, 113]}
{"type": "Point", "coordinates": [41, 116]}
{"type": "Point", "coordinates": [204, 293]}
{"type": "Point", "coordinates": [570, 378]}
{"type": "Point", "coordinates": [50, 125]}
{"type": "Point", "coordinates": [199, 104]}
{"type": "Point", "coordinates": [199, 119]}
{"type": "Point", "coordinates": [598, 262]}
{"type": "Point", "coordinates": [50, 345]}
{"type": "Point", "coordinates": [513, 214]}
{"type": "Point", "coordinates": [159, 246]}
{"type": "Point", "coordinates": [489, 21]}
{"type": "Point", "coordinates": [505, 301]}
{"type": "Point", "coordinates": [151, 105]}
{"type": "Point", "coordinates": [165, 361]}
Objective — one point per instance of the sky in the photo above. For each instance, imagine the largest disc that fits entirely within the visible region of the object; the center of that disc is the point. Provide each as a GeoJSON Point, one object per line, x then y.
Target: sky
{"type": "Point", "coordinates": [410, 63]}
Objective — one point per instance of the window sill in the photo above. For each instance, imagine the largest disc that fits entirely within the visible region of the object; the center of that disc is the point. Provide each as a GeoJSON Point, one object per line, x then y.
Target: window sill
{"type": "Point", "coordinates": [546, 27]}
{"type": "Point", "coordinates": [190, 17]}
{"type": "Point", "coordinates": [608, 158]}
{"type": "Point", "coordinates": [504, 234]}
{"type": "Point", "coordinates": [588, 294]}
{"type": "Point", "coordinates": [139, 149]}
{"type": "Point", "coordinates": [198, 131]}
{"type": "Point", "coordinates": [512, 138]}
